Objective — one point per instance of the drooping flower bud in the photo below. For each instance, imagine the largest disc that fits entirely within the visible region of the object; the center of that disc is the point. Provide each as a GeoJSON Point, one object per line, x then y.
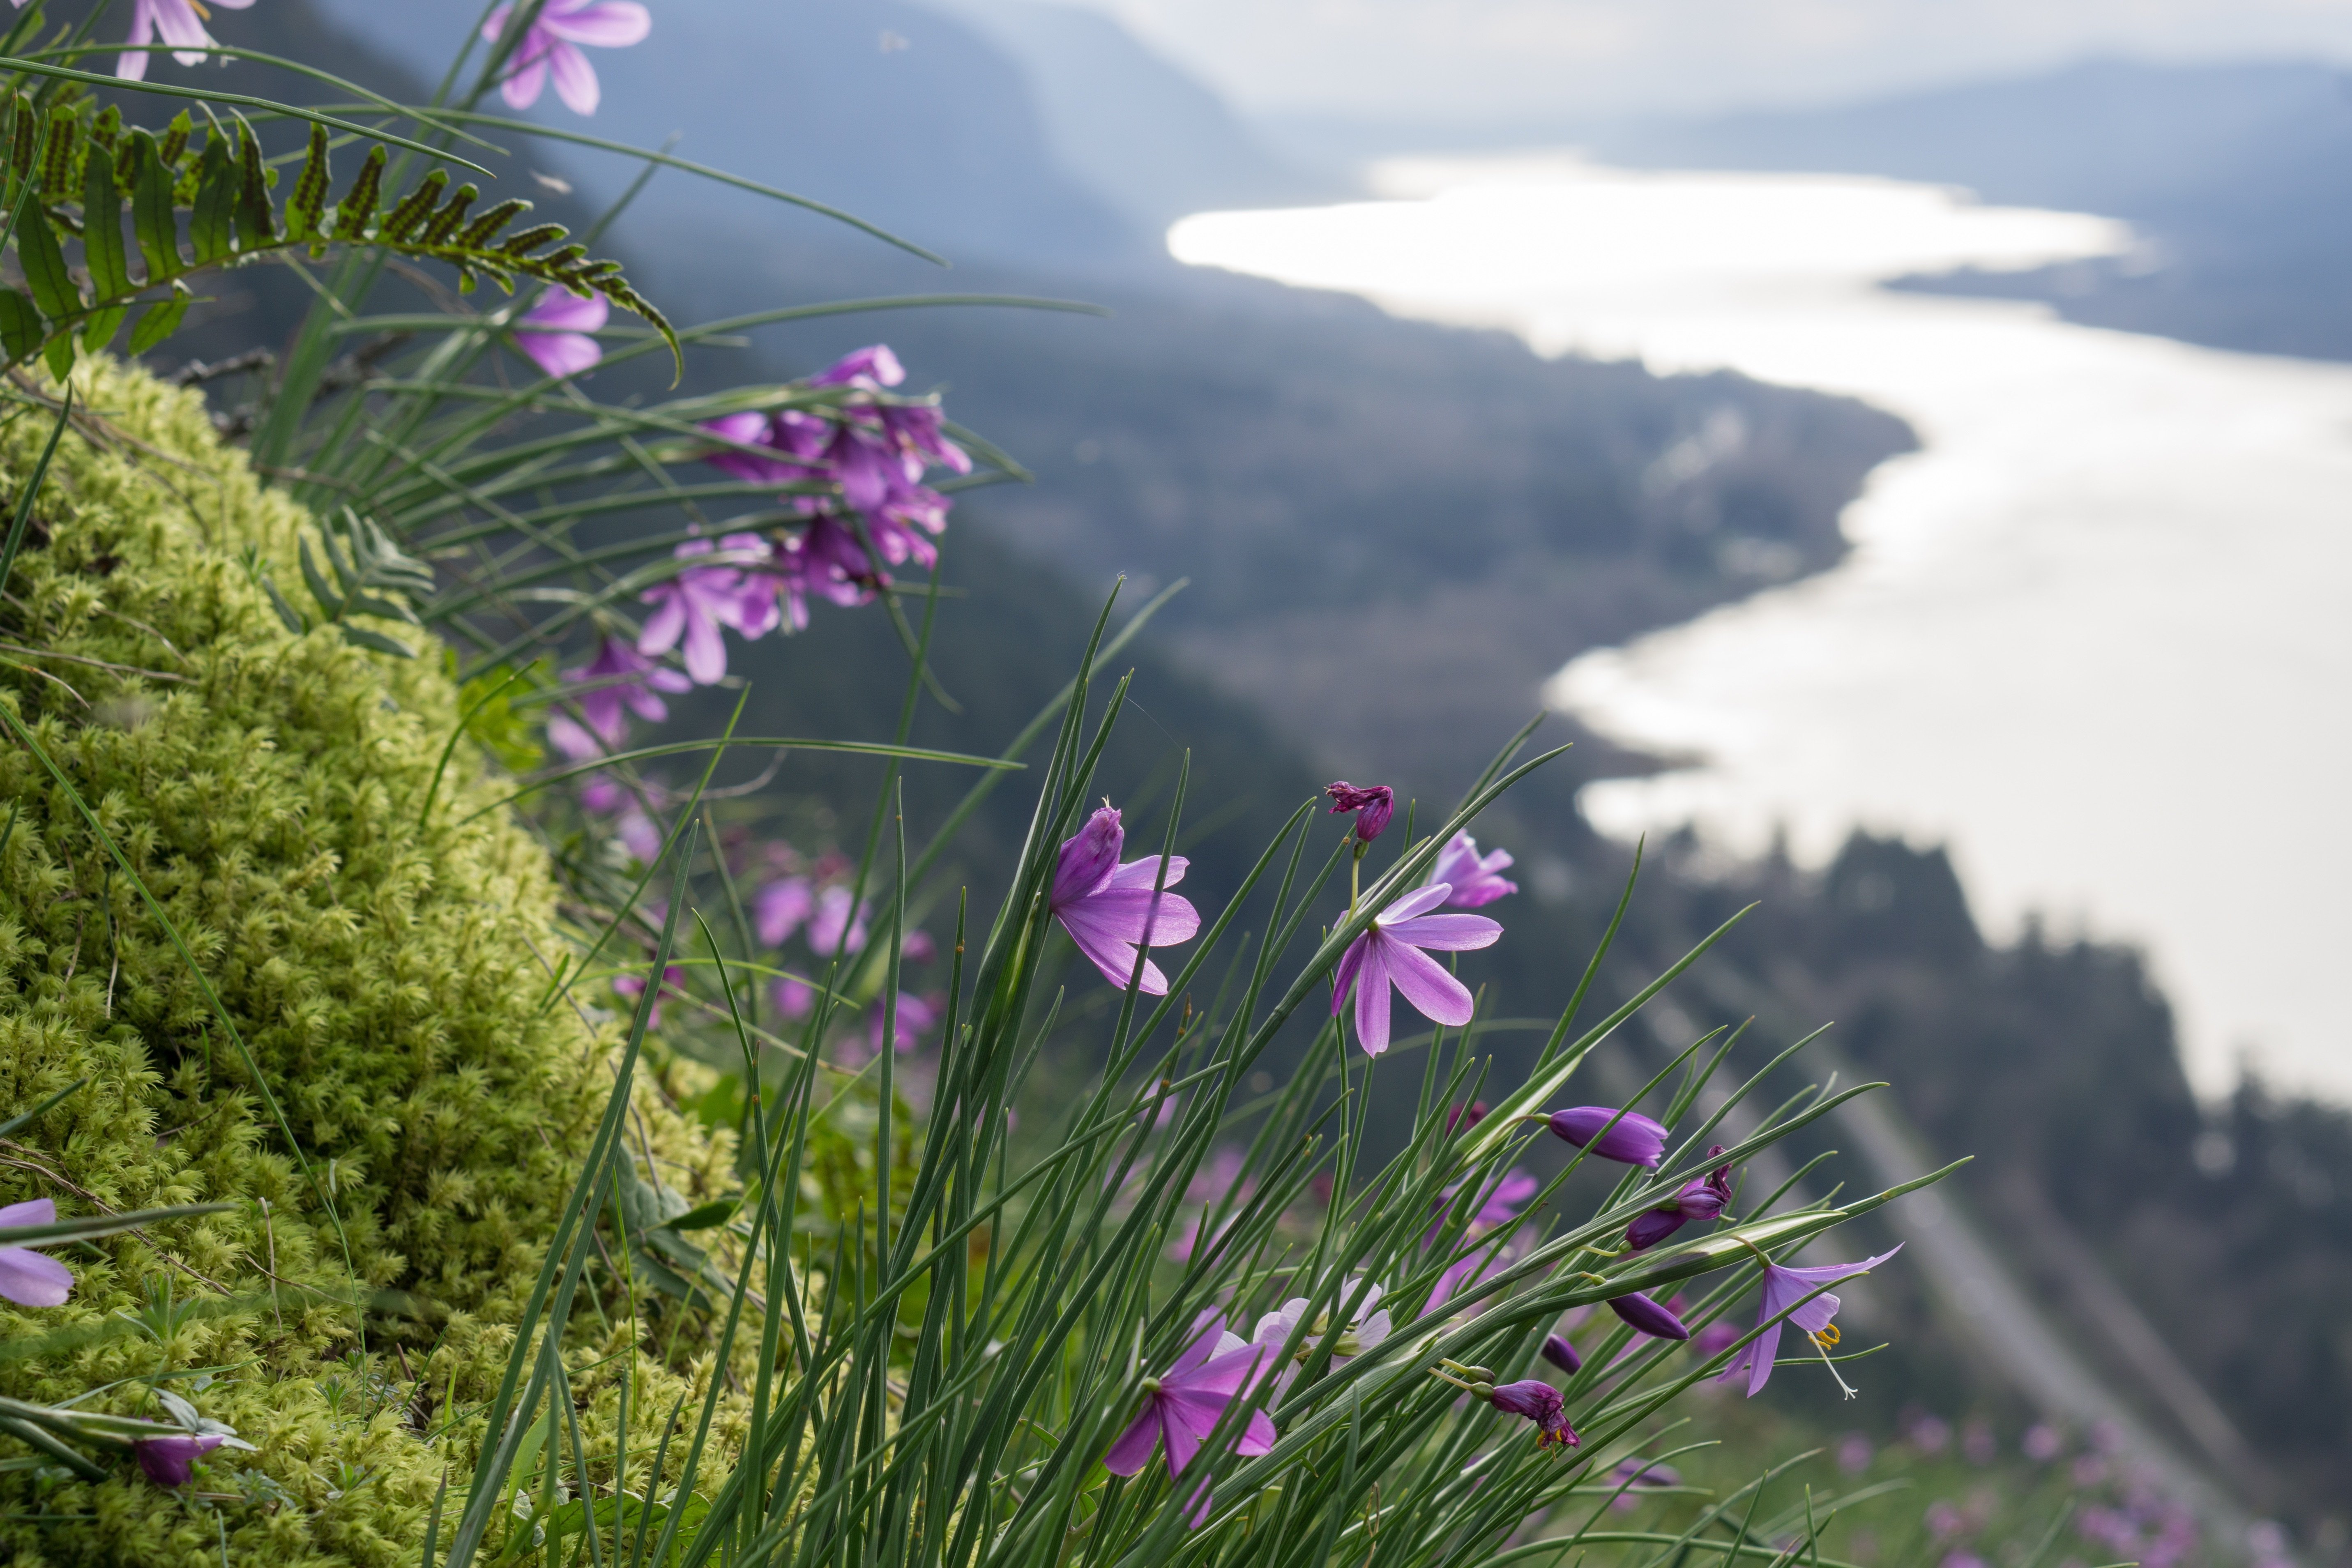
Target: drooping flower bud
{"type": "Point", "coordinates": [1373, 805]}
{"type": "Point", "coordinates": [1702, 1199]}
{"type": "Point", "coordinates": [1648, 1317]}
{"type": "Point", "coordinates": [1561, 1354]}
{"type": "Point", "coordinates": [1634, 1139]}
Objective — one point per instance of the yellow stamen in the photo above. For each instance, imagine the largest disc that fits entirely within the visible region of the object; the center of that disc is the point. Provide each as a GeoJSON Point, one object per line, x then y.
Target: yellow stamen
{"type": "Point", "coordinates": [1827, 1337]}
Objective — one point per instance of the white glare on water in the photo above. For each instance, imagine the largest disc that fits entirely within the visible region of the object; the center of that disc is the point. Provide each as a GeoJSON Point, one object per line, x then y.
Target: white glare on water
{"type": "Point", "coordinates": [2094, 636]}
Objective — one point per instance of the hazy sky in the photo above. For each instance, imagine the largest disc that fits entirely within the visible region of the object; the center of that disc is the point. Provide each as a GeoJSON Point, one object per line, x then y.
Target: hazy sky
{"type": "Point", "coordinates": [1464, 60]}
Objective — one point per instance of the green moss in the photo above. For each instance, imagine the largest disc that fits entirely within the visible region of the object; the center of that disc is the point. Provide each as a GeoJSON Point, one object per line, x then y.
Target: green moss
{"type": "Point", "coordinates": [389, 982]}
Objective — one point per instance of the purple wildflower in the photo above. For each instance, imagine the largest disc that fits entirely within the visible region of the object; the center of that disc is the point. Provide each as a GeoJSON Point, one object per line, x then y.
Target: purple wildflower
{"type": "Point", "coordinates": [178, 23]}
{"type": "Point", "coordinates": [640, 834]}
{"type": "Point", "coordinates": [553, 333]}
{"type": "Point", "coordinates": [793, 998]}
{"type": "Point", "coordinates": [1367, 1326]}
{"type": "Point", "coordinates": [1783, 1289]}
{"type": "Point", "coordinates": [551, 47]}
{"type": "Point", "coordinates": [1633, 1475]}
{"type": "Point", "coordinates": [1111, 910]}
{"type": "Point", "coordinates": [1461, 1118]}
{"type": "Point", "coordinates": [914, 1016]}
{"type": "Point", "coordinates": [1647, 1316]}
{"type": "Point", "coordinates": [28, 1277]}
{"type": "Point", "coordinates": [778, 908]}
{"type": "Point", "coordinates": [1183, 1405]}
{"type": "Point", "coordinates": [1634, 1139]}
{"type": "Point", "coordinates": [1373, 805]}
{"type": "Point", "coordinates": [1714, 1340]}
{"type": "Point", "coordinates": [872, 367]}
{"type": "Point", "coordinates": [623, 677]}
{"type": "Point", "coordinates": [834, 928]}
{"type": "Point", "coordinates": [170, 1461]}
{"type": "Point", "coordinates": [798, 439]}
{"type": "Point", "coordinates": [699, 600]}
{"type": "Point", "coordinates": [1473, 879]}
{"type": "Point", "coordinates": [1388, 951]}
{"type": "Point", "coordinates": [634, 986]}
{"type": "Point", "coordinates": [1705, 1198]}
{"type": "Point", "coordinates": [1540, 1403]}
{"type": "Point", "coordinates": [1561, 1352]}
{"type": "Point", "coordinates": [1498, 1209]}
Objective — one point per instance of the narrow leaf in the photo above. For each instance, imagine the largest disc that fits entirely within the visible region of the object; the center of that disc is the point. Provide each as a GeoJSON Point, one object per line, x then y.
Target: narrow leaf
{"type": "Point", "coordinates": [256, 224]}
{"type": "Point", "coordinates": [308, 202]}
{"type": "Point", "coordinates": [359, 204]}
{"type": "Point", "coordinates": [217, 188]}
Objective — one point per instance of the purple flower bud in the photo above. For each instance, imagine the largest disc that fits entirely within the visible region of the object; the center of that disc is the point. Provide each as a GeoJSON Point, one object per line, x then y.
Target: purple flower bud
{"type": "Point", "coordinates": [1648, 1317]}
{"type": "Point", "coordinates": [1635, 1140]}
{"type": "Point", "coordinates": [1089, 857]}
{"type": "Point", "coordinates": [168, 1461]}
{"type": "Point", "coordinates": [1557, 1350]}
{"type": "Point", "coordinates": [1702, 1199]}
{"type": "Point", "coordinates": [1540, 1402]}
{"type": "Point", "coordinates": [1372, 805]}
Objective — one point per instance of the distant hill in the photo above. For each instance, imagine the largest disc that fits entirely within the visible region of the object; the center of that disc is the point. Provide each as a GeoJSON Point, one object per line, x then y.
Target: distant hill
{"type": "Point", "coordinates": [1143, 136]}
{"type": "Point", "coordinates": [902, 115]}
{"type": "Point", "coordinates": [2239, 175]}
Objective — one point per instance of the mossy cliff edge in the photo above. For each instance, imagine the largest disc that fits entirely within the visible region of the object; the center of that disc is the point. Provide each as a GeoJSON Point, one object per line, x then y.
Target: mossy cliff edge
{"type": "Point", "coordinates": [389, 981]}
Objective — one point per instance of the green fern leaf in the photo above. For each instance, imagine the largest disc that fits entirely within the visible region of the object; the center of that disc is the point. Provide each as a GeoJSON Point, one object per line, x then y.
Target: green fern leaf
{"type": "Point", "coordinates": [444, 222]}
{"type": "Point", "coordinates": [59, 164]}
{"type": "Point", "coordinates": [329, 600]}
{"type": "Point", "coordinates": [152, 215]}
{"type": "Point", "coordinates": [478, 233]}
{"type": "Point", "coordinates": [256, 224]}
{"type": "Point", "coordinates": [307, 204]}
{"type": "Point", "coordinates": [159, 320]}
{"type": "Point", "coordinates": [413, 208]}
{"type": "Point", "coordinates": [218, 181]}
{"type": "Point", "coordinates": [44, 262]}
{"type": "Point", "coordinates": [20, 325]}
{"type": "Point", "coordinates": [359, 202]}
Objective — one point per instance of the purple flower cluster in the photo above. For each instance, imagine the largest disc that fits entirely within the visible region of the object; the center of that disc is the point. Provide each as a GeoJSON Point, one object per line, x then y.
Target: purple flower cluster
{"type": "Point", "coordinates": [1183, 1407]}
{"type": "Point", "coordinates": [550, 47]}
{"type": "Point", "coordinates": [856, 465]}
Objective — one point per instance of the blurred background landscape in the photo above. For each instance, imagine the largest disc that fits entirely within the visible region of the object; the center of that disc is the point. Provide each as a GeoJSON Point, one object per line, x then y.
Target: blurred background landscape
{"type": "Point", "coordinates": [1397, 529]}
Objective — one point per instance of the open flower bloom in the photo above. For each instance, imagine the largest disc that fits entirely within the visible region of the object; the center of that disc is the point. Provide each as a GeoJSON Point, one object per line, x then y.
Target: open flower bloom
{"type": "Point", "coordinates": [872, 367]}
{"type": "Point", "coordinates": [1473, 879]}
{"type": "Point", "coordinates": [1540, 1403]}
{"type": "Point", "coordinates": [1373, 805]}
{"type": "Point", "coordinates": [1367, 1325]}
{"type": "Point", "coordinates": [1183, 1405]}
{"type": "Point", "coordinates": [834, 928]}
{"type": "Point", "coordinates": [553, 333]}
{"type": "Point", "coordinates": [1705, 1198]}
{"type": "Point", "coordinates": [694, 604]}
{"type": "Point", "coordinates": [179, 23]}
{"type": "Point", "coordinates": [1390, 953]}
{"type": "Point", "coordinates": [1783, 1289]}
{"type": "Point", "coordinates": [1633, 1139]}
{"type": "Point", "coordinates": [623, 679]}
{"type": "Point", "coordinates": [551, 47]}
{"type": "Point", "coordinates": [28, 1277]}
{"type": "Point", "coordinates": [1111, 910]}
{"type": "Point", "coordinates": [778, 908]}
{"type": "Point", "coordinates": [1647, 1316]}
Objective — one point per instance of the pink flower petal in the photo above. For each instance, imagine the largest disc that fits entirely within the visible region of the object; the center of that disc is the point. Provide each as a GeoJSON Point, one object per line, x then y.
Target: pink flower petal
{"type": "Point", "coordinates": [1421, 901]}
{"type": "Point", "coordinates": [1133, 1449]}
{"type": "Point", "coordinates": [33, 1211]}
{"type": "Point", "coordinates": [1259, 1437]}
{"type": "Point", "coordinates": [1141, 873]}
{"type": "Point", "coordinates": [1447, 933]}
{"type": "Point", "coordinates": [1434, 993]}
{"type": "Point", "coordinates": [663, 627]}
{"type": "Point", "coordinates": [606, 24]}
{"type": "Point", "coordinates": [1372, 996]}
{"type": "Point", "coordinates": [559, 309]}
{"type": "Point", "coordinates": [1349, 962]}
{"type": "Point", "coordinates": [31, 1278]}
{"type": "Point", "coordinates": [560, 354]}
{"type": "Point", "coordinates": [575, 78]}
{"type": "Point", "coordinates": [521, 89]}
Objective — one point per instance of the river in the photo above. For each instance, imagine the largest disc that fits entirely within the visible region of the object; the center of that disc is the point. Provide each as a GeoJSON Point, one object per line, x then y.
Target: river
{"type": "Point", "coordinates": [2094, 637]}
